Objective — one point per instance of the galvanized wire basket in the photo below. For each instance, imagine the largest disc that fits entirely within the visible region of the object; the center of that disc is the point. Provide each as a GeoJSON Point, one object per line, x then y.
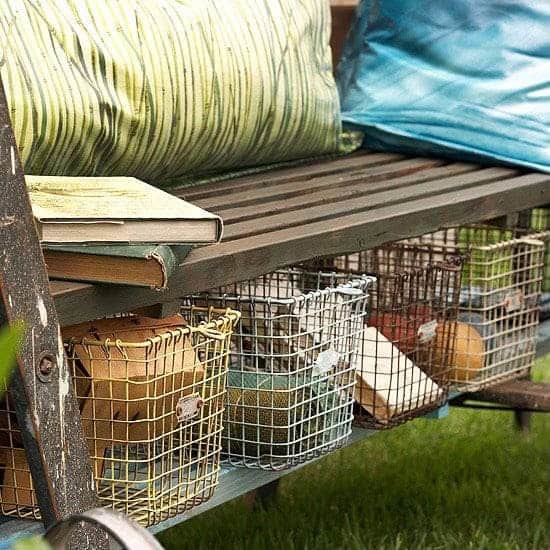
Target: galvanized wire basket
{"type": "Point", "coordinates": [291, 375]}
{"type": "Point", "coordinates": [498, 308]}
{"type": "Point", "coordinates": [151, 395]}
{"type": "Point", "coordinates": [404, 362]}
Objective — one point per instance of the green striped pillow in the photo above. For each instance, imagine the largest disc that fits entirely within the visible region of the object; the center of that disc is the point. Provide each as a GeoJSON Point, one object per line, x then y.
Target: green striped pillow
{"type": "Point", "coordinates": [169, 88]}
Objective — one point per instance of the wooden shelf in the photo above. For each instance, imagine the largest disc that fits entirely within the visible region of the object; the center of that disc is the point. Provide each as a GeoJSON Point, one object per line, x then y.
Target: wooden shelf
{"type": "Point", "coordinates": [233, 483]}
{"type": "Point", "coordinates": [336, 206]}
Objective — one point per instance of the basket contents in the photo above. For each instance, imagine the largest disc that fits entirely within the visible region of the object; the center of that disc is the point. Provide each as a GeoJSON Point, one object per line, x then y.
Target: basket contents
{"type": "Point", "coordinates": [151, 396]}
{"type": "Point", "coordinates": [498, 309]}
{"type": "Point", "coordinates": [291, 376]}
{"type": "Point", "coordinates": [405, 357]}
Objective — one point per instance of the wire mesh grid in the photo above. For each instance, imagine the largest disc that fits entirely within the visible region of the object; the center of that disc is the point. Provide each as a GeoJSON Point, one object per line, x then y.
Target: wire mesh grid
{"type": "Point", "coordinates": [404, 361]}
{"type": "Point", "coordinates": [498, 306]}
{"type": "Point", "coordinates": [540, 221]}
{"type": "Point", "coordinates": [291, 378]}
{"type": "Point", "coordinates": [151, 395]}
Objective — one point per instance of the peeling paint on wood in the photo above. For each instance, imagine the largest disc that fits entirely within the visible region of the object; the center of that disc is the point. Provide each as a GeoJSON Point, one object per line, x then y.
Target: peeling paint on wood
{"type": "Point", "coordinates": [46, 407]}
{"type": "Point", "coordinates": [42, 311]}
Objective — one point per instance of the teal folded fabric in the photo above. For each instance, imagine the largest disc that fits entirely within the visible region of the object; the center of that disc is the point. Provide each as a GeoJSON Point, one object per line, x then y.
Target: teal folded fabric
{"type": "Point", "coordinates": [468, 79]}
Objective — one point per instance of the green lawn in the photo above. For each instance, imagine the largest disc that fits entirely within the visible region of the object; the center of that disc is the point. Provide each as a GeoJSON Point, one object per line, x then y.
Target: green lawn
{"type": "Point", "coordinates": [467, 481]}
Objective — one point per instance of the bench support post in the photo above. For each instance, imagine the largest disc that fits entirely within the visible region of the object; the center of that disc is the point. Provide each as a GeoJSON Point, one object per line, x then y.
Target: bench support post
{"type": "Point", "coordinates": [46, 407]}
{"type": "Point", "coordinates": [523, 420]}
{"type": "Point", "coordinates": [520, 396]}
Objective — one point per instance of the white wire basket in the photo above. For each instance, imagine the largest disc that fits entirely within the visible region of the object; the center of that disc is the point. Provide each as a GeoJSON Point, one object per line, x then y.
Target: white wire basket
{"type": "Point", "coordinates": [499, 302]}
{"type": "Point", "coordinates": [291, 376]}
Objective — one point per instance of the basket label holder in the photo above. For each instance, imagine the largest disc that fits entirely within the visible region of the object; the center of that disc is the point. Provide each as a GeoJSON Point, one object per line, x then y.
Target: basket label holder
{"type": "Point", "coordinates": [188, 407]}
{"type": "Point", "coordinates": [513, 301]}
{"type": "Point", "coordinates": [427, 331]}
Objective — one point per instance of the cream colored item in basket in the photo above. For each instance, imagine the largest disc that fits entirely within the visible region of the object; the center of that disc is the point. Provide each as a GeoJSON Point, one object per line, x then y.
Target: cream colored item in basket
{"type": "Point", "coordinates": [388, 382]}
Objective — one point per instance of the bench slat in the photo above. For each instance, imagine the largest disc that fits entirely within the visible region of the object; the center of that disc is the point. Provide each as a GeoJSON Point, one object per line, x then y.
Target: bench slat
{"type": "Point", "coordinates": [366, 203]}
{"type": "Point", "coordinates": [427, 208]}
{"type": "Point", "coordinates": [267, 193]}
{"type": "Point", "coordinates": [304, 172]}
{"type": "Point", "coordinates": [334, 192]}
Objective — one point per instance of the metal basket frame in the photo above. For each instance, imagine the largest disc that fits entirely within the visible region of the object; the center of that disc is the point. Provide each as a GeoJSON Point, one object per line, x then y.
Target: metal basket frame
{"type": "Point", "coordinates": [540, 222]}
{"type": "Point", "coordinates": [403, 364]}
{"type": "Point", "coordinates": [291, 376]}
{"type": "Point", "coordinates": [152, 415]}
{"type": "Point", "coordinates": [500, 293]}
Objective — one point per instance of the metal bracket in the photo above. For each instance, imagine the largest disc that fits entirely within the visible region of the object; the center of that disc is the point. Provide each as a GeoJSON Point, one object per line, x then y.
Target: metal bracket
{"type": "Point", "coordinates": [128, 534]}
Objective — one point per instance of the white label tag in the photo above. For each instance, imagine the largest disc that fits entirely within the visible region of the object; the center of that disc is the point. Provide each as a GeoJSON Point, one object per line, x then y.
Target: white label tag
{"type": "Point", "coordinates": [513, 301]}
{"type": "Point", "coordinates": [325, 362]}
{"type": "Point", "coordinates": [188, 407]}
{"type": "Point", "coordinates": [427, 331]}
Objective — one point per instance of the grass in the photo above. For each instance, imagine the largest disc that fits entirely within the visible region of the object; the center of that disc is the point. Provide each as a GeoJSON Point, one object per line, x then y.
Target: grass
{"type": "Point", "coordinates": [467, 481]}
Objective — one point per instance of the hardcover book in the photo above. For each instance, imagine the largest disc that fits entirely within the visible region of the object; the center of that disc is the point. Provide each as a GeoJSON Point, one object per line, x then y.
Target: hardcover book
{"type": "Point", "coordinates": [116, 210]}
{"type": "Point", "coordinates": [138, 265]}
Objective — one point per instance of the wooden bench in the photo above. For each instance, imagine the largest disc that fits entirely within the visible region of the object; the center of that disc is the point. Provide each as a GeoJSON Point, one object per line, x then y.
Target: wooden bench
{"type": "Point", "coordinates": [275, 218]}
{"type": "Point", "coordinates": [327, 207]}
{"type": "Point", "coordinates": [318, 208]}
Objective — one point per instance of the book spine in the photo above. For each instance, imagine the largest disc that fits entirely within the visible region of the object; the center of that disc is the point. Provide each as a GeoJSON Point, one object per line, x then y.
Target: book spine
{"type": "Point", "coordinates": [167, 261]}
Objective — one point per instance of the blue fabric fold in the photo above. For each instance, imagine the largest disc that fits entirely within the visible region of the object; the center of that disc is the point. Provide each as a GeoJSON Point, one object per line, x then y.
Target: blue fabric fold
{"type": "Point", "coordinates": [467, 79]}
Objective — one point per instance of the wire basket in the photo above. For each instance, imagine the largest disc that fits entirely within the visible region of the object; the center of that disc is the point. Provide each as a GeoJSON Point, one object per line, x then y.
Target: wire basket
{"type": "Point", "coordinates": [151, 396]}
{"type": "Point", "coordinates": [404, 362]}
{"type": "Point", "coordinates": [499, 298]}
{"type": "Point", "coordinates": [291, 377]}
{"type": "Point", "coordinates": [540, 221]}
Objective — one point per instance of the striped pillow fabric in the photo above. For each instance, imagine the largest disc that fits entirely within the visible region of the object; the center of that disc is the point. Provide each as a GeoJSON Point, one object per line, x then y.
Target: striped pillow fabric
{"type": "Point", "coordinates": [166, 89]}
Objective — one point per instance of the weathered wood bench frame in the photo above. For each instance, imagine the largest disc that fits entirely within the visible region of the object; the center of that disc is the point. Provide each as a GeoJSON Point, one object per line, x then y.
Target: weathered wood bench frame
{"type": "Point", "coordinates": [328, 207]}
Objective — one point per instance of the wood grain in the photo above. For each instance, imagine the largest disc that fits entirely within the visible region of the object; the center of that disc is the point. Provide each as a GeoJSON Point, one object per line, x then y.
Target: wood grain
{"type": "Point", "coordinates": [518, 394]}
{"type": "Point", "coordinates": [47, 410]}
{"type": "Point", "coordinates": [331, 207]}
{"type": "Point", "coordinates": [301, 172]}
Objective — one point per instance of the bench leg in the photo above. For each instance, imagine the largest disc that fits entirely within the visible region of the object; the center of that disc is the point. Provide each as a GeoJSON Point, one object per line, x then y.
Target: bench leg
{"type": "Point", "coordinates": [523, 420]}
{"type": "Point", "coordinates": [262, 497]}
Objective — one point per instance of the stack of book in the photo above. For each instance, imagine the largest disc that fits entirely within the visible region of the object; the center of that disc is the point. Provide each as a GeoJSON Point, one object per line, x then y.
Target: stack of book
{"type": "Point", "coordinates": [115, 230]}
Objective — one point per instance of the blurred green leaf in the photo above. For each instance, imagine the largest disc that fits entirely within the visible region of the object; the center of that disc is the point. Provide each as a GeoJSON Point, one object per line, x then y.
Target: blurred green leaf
{"type": "Point", "coordinates": [32, 543]}
{"type": "Point", "coordinates": [10, 339]}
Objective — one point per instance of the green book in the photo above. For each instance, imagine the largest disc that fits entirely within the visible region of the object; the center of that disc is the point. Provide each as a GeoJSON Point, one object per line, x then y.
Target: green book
{"type": "Point", "coordinates": [137, 265]}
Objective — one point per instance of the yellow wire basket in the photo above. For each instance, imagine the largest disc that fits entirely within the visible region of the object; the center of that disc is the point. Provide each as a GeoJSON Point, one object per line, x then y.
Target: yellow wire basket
{"type": "Point", "coordinates": [151, 395]}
